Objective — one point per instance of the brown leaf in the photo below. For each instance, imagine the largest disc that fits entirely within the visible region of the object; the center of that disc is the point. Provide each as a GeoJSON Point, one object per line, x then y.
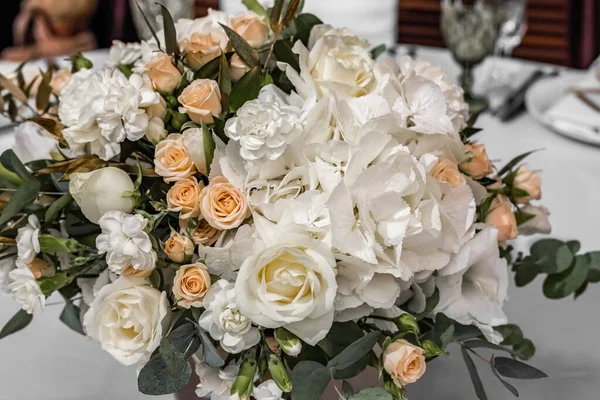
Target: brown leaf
{"type": "Point", "coordinates": [92, 163]}
{"type": "Point", "coordinates": [42, 98]}
{"type": "Point", "coordinates": [53, 127]}
{"type": "Point", "coordinates": [9, 241]}
{"type": "Point", "coordinates": [291, 12]}
{"type": "Point", "coordinates": [13, 89]}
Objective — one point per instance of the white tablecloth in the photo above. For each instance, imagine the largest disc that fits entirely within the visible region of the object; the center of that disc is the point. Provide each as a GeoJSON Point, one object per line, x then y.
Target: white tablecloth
{"type": "Point", "coordinates": [48, 359]}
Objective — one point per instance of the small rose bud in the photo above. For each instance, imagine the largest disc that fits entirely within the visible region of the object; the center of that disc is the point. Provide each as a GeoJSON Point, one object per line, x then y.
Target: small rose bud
{"type": "Point", "coordinates": [397, 392]}
{"type": "Point", "coordinates": [157, 110]}
{"type": "Point", "coordinates": [404, 362]}
{"type": "Point", "coordinates": [289, 343]}
{"type": "Point", "coordinates": [40, 268]}
{"type": "Point", "coordinates": [244, 382]}
{"type": "Point", "coordinates": [273, 345]}
{"type": "Point", "coordinates": [538, 224]}
{"type": "Point", "coordinates": [446, 170]}
{"type": "Point", "coordinates": [407, 323]}
{"type": "Point", "coordinates": [279, 373]}
{"type": "Point", "coordinates": [60, 80]}
{"type": "Point", "coordinates": [528, 181]}
{"type": "Point", "coordinates": [80, 62]}
{"type": "Point", "coordinates": [162, 73]}
{"type": "Point", "coordinates": [156, 130]}
{"type": "Point", "coordinates": [477, 165]}
{"type": "Point", "coordinates": [503, 218]}
{"type": "Point", "coordinates": [430, 349]}
{"type": "Point", "coordinates": [177, 120]}
{"type": "Point", "coordinates": [179, 248]}
{"type": "Point", "coordinates": [201, 101]}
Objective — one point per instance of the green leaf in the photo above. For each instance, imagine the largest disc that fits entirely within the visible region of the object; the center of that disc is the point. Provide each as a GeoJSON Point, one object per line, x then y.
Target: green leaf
{"type": "Point", "coordinates": [430, 303]}
{"type": "Point", "coordinates": [175, 360]}
{"type": "Point", "coordinates": [525, 350]}
{"type": "Point", "coordinates": [511, 368]}
{"type": "Point", "coordinates": [443, 331]}
{"type": "Point", "coordinates": [479, 343]}
{"type": "Point", "coordinates": [304, 24]}
{"type": "Point", "coordinates": [525, 273]}
{"type": "Point", "coordinates": [19, 321]}
{"type": "Point", "coordinates": [374, 393]}
{"type": "Point", "coordinates": [210, 70]}
{"type": "Point", "coordinates": [512, 163]}
{"type": "Point", "coordinates": [340, 336]}
{"type": "Point", "coordinates": [55, 208]}
{"type": "Point", "coordinates": [186, 339]}
{"type": "Point", "coordinates": [464, 332]}
{"type": "Point", "coordinates": [70, 316]}
{"type": "Point", "coordinates": [377, 51]}
{"type": "Point", "coordinates": [247, 88]}
{"type": "Point", "coordinates": [55, 244]}
{"type": "Point", "coordinates": [224, 83]}
{"type": "Point", "coordinates": [283, 52]}
{"type": "Point", "coordinates": [209, 147]}
{"type": "Point", "coordinates": [154, 379]}
{"type": "Point", "coordinates": [354, 352]}
{"type": "Point", "coordinates": [520, 216]}
{"type": "Point", "coordinates": [511, 333]}
{"type": "Point", "coordinates": [553, 256]}
{"type": "Point", "coordinates": [209, 352]}
{"type": "Point", "coordinates": [475, 379]}
{"type": "Point", "coordinates": [561, 285]}
{"type": "Point", "coordinates": [574, 245]}
{"type": "Point", "coordinates": [11, 162]}
{"type": "Point", "coordinates": [594, 272]}
{"type": "Point", "coordinates": [148, 23]}
{"type": "Point", "coordinates": [347, 389]}
{"type": "Point", "coordinates": [172, 48]}
{"type": "Point", "coordinates": [254, 6]}
{"type": "Point", "coordinates": [53, 283]}
{"type": "Point", "coordinates": [26, 194]}
{"type": "Point", "coordinates": [247, 53]}
{"type": "Point", "coordinates": [507, 385]}
{"type": "Point", "coordinates": [309, 380]}
{"type": "Point", "coordinates": [276, 12]}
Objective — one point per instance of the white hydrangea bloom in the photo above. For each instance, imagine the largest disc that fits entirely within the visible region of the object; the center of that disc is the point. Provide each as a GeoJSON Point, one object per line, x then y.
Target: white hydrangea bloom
{"type": "Point", "coordinates": [125, 242]}
{"type": "Point", "coordinates": [102, 109]}
{"type": "Point", "coordinates": [223, 320]}
{"type": "Point", "coordinates": [26, 290]}
{"type": "Point", "coordinates": [268, 390]}
{"type": "Point", "coordinates": [265, 126]}
{"type": "Point", "coordinates": [28, 245]}
{"type": "Point", "coordinates": [216, 382]}
{"type": "Point", "coordinates": [123, 54]}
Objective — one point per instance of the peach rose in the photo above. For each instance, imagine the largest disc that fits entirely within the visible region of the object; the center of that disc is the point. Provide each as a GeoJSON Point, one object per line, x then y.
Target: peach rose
{"type": "Point", "coordinates": [223, 205]}
{"type": "Point", "coordinates": [184, 196]}
{"type": "Point", "coordinates": [179, 248]}
{"type": "Point", "coordinates": [190, 285]}
{"type": "Point", "coordinates": [171, 159]}
{"type": "Point", "coordinates": [201, 48]}
{"type": "Point", "coordinates": [201, 101]}
{"type": "Point", "coordinates": [60, 80]}
{"type": "Point", "coordinates": [162, 73]}
{"type": "Point", "coordinates": [40, 268]}
{"type": "Point", "coordinates": [136, 273]}
{"type": "Point", "coordinates": [528, 181]}
{"type": "Point", "coordinates": [404, 362]}
{"type": "Point", "coordinates": [158, 110]}
{"type": "Point", "coordinates": [446, 170]}
{"type": "Point", "coordinates": [203, 234]}
{"type": "Point", "coordinates": [502, 217]}
{"type": "Point", "coordinates": [477, 165]}
{"type": "Point", "coordinates": [251, 27]}
{"type": "Point", "coordinates": [237, 68]}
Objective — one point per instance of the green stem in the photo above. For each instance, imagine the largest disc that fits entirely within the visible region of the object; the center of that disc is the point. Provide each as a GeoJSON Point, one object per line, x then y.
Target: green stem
{"type": "Point", "coordinates": [10, 176]}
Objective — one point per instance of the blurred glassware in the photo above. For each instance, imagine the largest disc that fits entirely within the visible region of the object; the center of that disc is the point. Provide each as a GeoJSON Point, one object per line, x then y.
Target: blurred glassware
{"type": "Point", "coordinates": [470, 32]}
{"type": "Point", "coordinates": [237, 7]}
{"type": "Point", "coordinates": [178, 9]}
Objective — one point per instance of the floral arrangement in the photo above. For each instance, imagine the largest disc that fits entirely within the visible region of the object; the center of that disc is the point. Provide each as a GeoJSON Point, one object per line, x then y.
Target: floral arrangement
{"type": "Point", "coordinates": [263, 199]}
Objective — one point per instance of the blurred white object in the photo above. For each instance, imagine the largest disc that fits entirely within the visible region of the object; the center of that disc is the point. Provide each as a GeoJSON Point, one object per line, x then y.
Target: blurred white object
{"type": "Point", "coordinates": [177, 8]}
{"type": "Point", "coordinates": [376, 21]}
{"type": "Point", "coordinates": [32, 142]}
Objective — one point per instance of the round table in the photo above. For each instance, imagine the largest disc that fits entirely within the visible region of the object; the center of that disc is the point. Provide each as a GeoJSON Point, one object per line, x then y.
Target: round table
{"type": "Point", "coordinates": [48, 358]}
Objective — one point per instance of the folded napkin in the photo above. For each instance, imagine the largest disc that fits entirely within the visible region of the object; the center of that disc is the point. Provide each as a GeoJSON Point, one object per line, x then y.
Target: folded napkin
{"type": "Point", "coordinates": [572, 115]}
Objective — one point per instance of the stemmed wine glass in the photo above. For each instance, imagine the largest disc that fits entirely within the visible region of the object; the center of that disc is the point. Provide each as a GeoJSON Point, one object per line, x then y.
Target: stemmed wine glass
{"type": "Point", "coordinates": [470, 32]}
{"type": "Point", "coordinates": [177, 8]}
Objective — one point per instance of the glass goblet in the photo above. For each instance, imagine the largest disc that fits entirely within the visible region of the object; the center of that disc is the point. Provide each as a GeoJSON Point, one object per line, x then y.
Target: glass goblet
{"type": "Point", "coordinates": [151, 9]}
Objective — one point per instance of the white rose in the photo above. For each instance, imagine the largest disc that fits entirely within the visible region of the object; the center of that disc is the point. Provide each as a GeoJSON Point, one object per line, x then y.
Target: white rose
{"type": "Point", "coordinates": [223, 320]}
{"type": "Point", "coordinates": [193, 140]}
{"type": "Point", "coordinates": [125, 242]}
{"type": "Point", "coordinates": [291, 283]}
{"type": "Point", "coordinates": [128, 317]}
{"type": "Point", "coordinates": [268, 390]}
{"type": "Point", "coordinates": [540, 222]}
{"type": "Point", "coordinates": [28, 244]}
{"type": "Point", "coordinates": [26, 290]}
{"type": "Point", "coordinates": [100, 191]}
{"type": "Point", "coordinates": [156, 130]}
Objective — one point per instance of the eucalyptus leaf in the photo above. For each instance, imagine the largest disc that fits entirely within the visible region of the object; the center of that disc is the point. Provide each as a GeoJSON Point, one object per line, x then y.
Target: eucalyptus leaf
{"type": "Point", "coordinates": [175, 360]}
{"type": "Point", "coordinates": [354, 352]}
{"type": "Point", "coordinates": [507, 385]}
{"type": "Point", "coordinates": [56, 207]}
{"type": "Point", "coordinates": [475, 379]}
{"type": "Point", "coordinates": [347, 389]}
{"type": "Point", "coordinates": [185, 338]}
{"type": "Point", "coordinates": [511, 334]}
{"type": "Point", "coordinates": [525, 273]}
{"type": "Point", "coordinates": [511, 368]}
{"type": "Point", "coordinates": [209, 352]}
{"type": "Point", "coordinates": [574, 245]}
{"type": "Point", "coordinates": [19, 321]}
{"type": "Point", "coordinates": [171, 45]}
{"type": "Point", "coordinates": [561, 285]}
{"type": "Point", "coordinates": [479, 343]}
{"type": "Point", "coordinates": [309, 380]}
{"type": "Point", "coordinates": [594, 271]}
{"type": "Point", "coordinates": [247, 53]}
{"type": "Point", "coordinates": [525, 350]}
{"type": "Point", "coordinates": [430, 303]}
{"type": "Point", "coordinates": [71, 316]}
{"type": "Point", "coordinates": [443, 331]}
{"type": "Point", "coordinates": [340, 336]}
{"type": "Point", "coordinates": [26, 194]}
{"type": "Point", "coordinates": [553, 256]}
{"type": "Point", "coordinates": [374, 393]}
{"type": "Point", "coordinates": [154, 378]}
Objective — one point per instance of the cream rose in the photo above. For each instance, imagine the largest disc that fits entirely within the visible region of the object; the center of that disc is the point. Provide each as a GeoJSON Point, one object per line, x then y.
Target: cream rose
{"type": "Point", "coordinates": [446, 170]}
{"type": "Point", "coordinates": [190, 284]}
{"type": "Point", "coordinates": [502, 217]}
{"type": "Point", "coordinates": [40, 268]}
{"type": "Point", "coordinates": [477, 165]}
{"type": "Point", "coordinates": [194, 142]}
{"type": "Point", "coordinates": [201, 101]}
{"type": "Point", "coordinates": [528, 181]}
{"type": "Point", "coordinates": [223, 205]}
{"type": "Point", "coordinates": [89, 189]}
{"type": "Point", "coordinates": [203, 234]}
{"type": "Point", "coordinates": [128, 317]}
{"type": "Point", "coordinates": [60, 80]}
{"type": "Point", "coordinates": [237, 68]}
{"type": "Point", "coordinates": [292, 284]}
{"type": "Point", "coordinates": [171, 159]}
{"type": "Point", "coordinates": [179, 248]}
{"type": "Point", "coordinates": [156, 130]}
{"type": "Point", "coordinates": [404, 362]}
{"type": "Point", "coordinates": [251, 27]}
{"type": "Point", "coordinates": [201, 48]}
{"type": "Point", "coordinates": [184, 198]}
{"type": "Point", "coordinates": [162, 73]}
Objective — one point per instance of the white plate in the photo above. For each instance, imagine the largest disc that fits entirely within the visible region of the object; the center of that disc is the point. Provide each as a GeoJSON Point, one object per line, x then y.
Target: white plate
{"type": "Point", "coordinates": [544, 94]}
